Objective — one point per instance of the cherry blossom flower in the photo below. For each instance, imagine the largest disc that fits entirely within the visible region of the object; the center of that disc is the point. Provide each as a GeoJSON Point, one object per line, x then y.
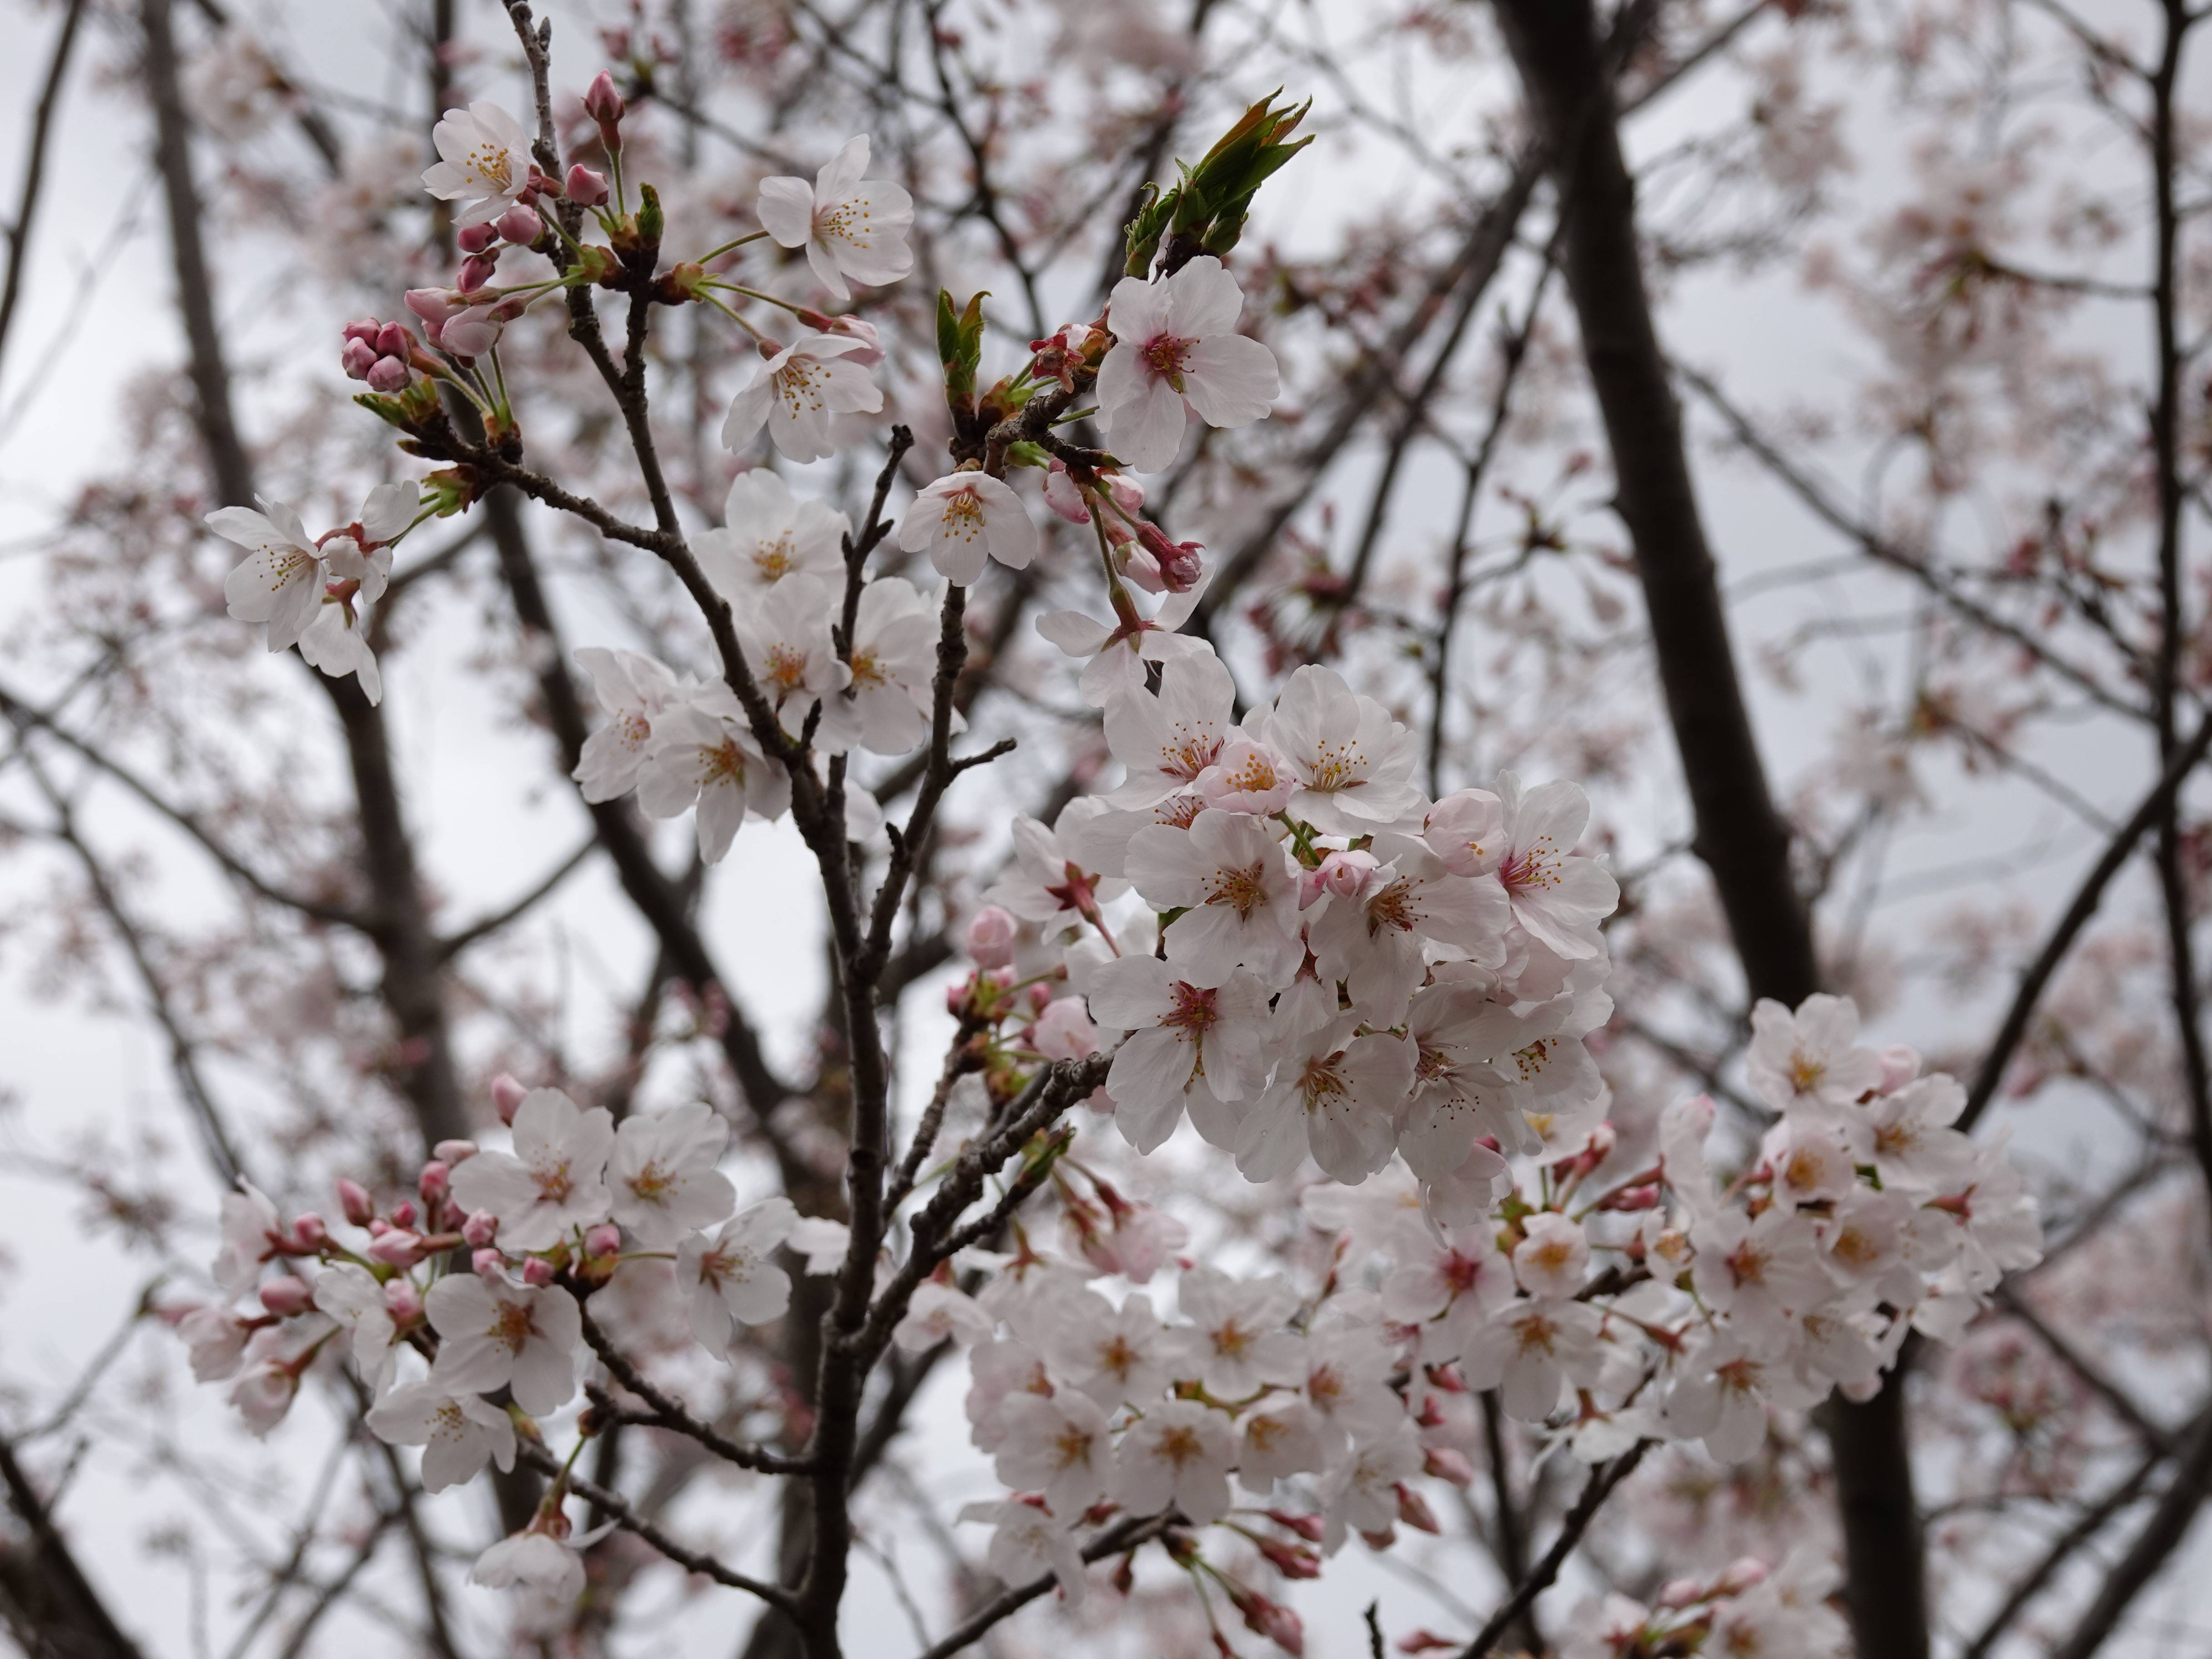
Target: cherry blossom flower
{"type": "Point", "coordinates": [1190, 1047]}
{"type": "Point", "coordinates": [1335, 1094]}
{"type": "Point", "coordinates": [215, 1340]}
{"type": "Point", "coordinates": [1348, 1384]}
{"type": "Point", "coordinates": [797, 393]}
{"type": "Point", "coordinates": [1528, 1349]}
{"type": "Point", "coordinates": [1808, 1059]}
{"type": "Point", "coordinates": [1361, 1493]}
{"type": "Point", "coordinates": [731, 1278]}
{"type": "Point", "coordinates": [1240, 902]}
{"type": "Point", "coordinates": [1758, 1273]}
{"type": "Point", "coordinates": [1460, 1091]}
{"type": "Point", "coordinates": [352, 1298]}
{"type": "Point", "coordinates": [1280, 1439]}
{"type": "Point", "coordinates": [268, 1378]}
{"type": "Point", "coordinates": [1178, 1453]}
{"type": "Point", "coordinates": [940, 1313]}
{"type": "Point", "coordinates": [522, 1337]}
{"type": "Point", "coordinates": [1459, 1266]}
{"type": "Point", "coordinates": [1237, 1341]}
{"type": "Point", "coordinates": [336, 641]}
{"type": "Point", "coordinates": [1166, 742]}
{"type": "Point", "coordinates": [769, 533]}
{"type": "Point", "coordinates": [1863, 1242]}
{"type": "Point", "coordinates": [1112, 1354]}
{"type": "Point", "coordinates": [1810, 1164]}
{"type": "Point", "coordinates": [1057, 1446]}
{"type": "Point", "coordinates": [1528, 840]}
{"type": "Point", "coordinates": [663, 1176]}
{"type": "Point", "coordinates": [1908, 1138]}
{"type": "Point", "coordinates": [787, 642]}
{"type": "Point", "coordinates": [251, 1234]}
{"type": "Point", "coordinates": [633, 689]}
{"type": "Point", "coordinates": [1353, 764]}
{"type": "Point", "coordinates": [962, 519]}
{"type": "Point", "coordinates": [703, 755]}
{"type": "Point", "coordinates": [1117, 652]}
{"type": "Point", "coordinates": [280, 585]}
{"type": "Point", "coordinates": [458, 1433]}
{"type": "Point", "coordinates": [1372, 941]}
{"type": "Point", "coordinates": [553, 1181]}
{"type": "Point", "coordinates": [485, 165]}
{"type": "Point", "coordinates": [1027, 1544]}
{"type": "Point", "coordinates": [1720, 1396]}
{"type": "Point", "coordinates": [532, 1560]}
{"type": "Point", "coordinates": [1247, 776]}
{"type": "Point", "coordinates": [1552, 1260]}
{"type": "Point", "coordinates": [1050, 884]}
{"type": "Point", "coordinates": [887, 703]}
{"type": "Point", "coordinates": [849, 226]}
{"type": "Point", "coordinates": [1177, 349]}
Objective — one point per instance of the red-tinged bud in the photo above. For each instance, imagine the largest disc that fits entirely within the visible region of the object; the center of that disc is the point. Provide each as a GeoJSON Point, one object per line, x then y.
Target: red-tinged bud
{"type": "Point", "coordinates": [1745, 1572]}
{"type": "Point", "coordinates": [991, 937]}
{"type": "Point", "coordinates": [357, 359]}
{"type": "Point", "coordinates": [397, 1247]}
{"type": "Point", "coordinates": [287, 1295]}
{"type": "Point", "coordinates": [435, 1183]}
{"type": "Point", "coordinates": [1633, 1197]}
{"type": "Point", "coordinates": [1447, 1464]}
{"type": "Point", "coordinates": [1414, 1510]}
{"type": "Point", "coordinates": [364, 330]}
{"type": "Point", "coordinates": [1221, 1648]}
{"type": "Point", "coordinates": [585, 188]}
{"type": "Point", "coordinates": [403, 1301]}
{"type": "Point", "coordinates": [521, 225]}
{"type": "Point", "coordinates": [405, 1214]}
{"type": "Point", "coordinates": [1124, 1576]}
{"type": "Point", "coordinates": [309, 1235]}
{"type": "Point", "coordinates": [480, 1229]}
{"type": "Point", "coordinates": [605, 107]}
{"type": "Point", "coordinates": [1379, 1541]}
{"type": "Point", "coordinates": [387, 374]}
{"type": "Point", "coordinates": [768, 348]}
{"type": "Point", "coordinates": [475, 270]}
{"type": "Point", "coordinates": [395, 340]}
{"type": "Point", "coordinates": [434, 305]}
{"type": "Point", "coordinates": [1292, 1560]}
{"type": "Point", "coordinates": [1899, 1066]}
{"type": "Point", "coordinates": [377, 1225]}
{"type": "Point", "coordinates": [1427, 1641]}
{"type": "Point", "coordinates": [1681, 1593]}
{"type": "Point", "coordinates": [475, 238]}
{"type": "Point", "coordinates": [505, 1095]}
{"type": "Point", "coordinates": [603, 1240]}
{"type": "Point", "coordinates": [538, 1271]}
{"type": "Point", "coordinates": [1310, 1527]}
{"type": "Point", "coordinates": [451, 1153]}
{"type": "Point", "coordinates": [489, 1264]}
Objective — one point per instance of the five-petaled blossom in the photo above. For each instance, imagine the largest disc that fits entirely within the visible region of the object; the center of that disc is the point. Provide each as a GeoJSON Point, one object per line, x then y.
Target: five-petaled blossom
{"type": "Point", "coordinates": [552, 1183]}
{"type": "Point", "coordinates": [965, 519]}
{"type": "Point", "coordinates": [1177, 348]}
{"type": "Point", "coordinates": [484, 163]}
{"type": "Point", "coordinates": [849, 226]}
{"type": "Point", "coordinates": [798, 394]}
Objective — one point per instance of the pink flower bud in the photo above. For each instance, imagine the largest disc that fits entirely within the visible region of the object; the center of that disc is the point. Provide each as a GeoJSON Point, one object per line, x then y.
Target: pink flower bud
{"type": "Point", "coordinates": [475, 270]}
{"type": "Point", "coordinates": [1745, 1572]}
{"type": "Point", "coordinates": [505, 1095]}
{"type": "Point", "coordinates": [1062, 495]}
{"type": "Point", "coordinates": [1414, 1510]}
{"type": "Point", "coordinates": [585, 188]}
{"type": "Point", "coordinates": [991, 937]}
{"type": "Point", "coordinates": [435, 1182]}
{"type": "Point", "coordinates": [394, 340]}
{"type": "Point", "coordinates": [1446, 1464]}
{"type": "Point", "coordinates": [853, 328]}
{"type": "Point", "coordinates": [1182, 563]}
{"type": "Point", "coordinates": [450, 1153]}
{"type": "Point", "coordinates": [358, 358]}
{"type": "Point", "coordinates": [1311, 1527]}
{"type": "Point", "coordinates": [397, 1247]}
{"type": "Point", "coordinates": [489, 1264]}
{"type": "Point", "coordinates": [475, 238]}
{"type": "Point", "coordinates": [364, 330]}
{"type": "Point", "coordinates": [1899, 1066]}
{"type": "Point", "coordinates": [309, 1235]}
{"type": "Point", "coordinates": [387, 374]}
{"type": "Point", "coordinates": [605, 1239]}
{"type": "Point", "coordinates": [605, 106]}
{"type": "Point", "coordinates": [538, 1271]}
{"type": "Point", "coordinates": [403, 1213]}
{"type": "Point", "coordinates": [1292, 1560]}
{"type": "Point", "coordinates": [481, 1228]}
{"type": "Point", "coordinates": [377, 1225]}
{"type": "Point", "coordinates": [521, 225]}
{"type": "Point", "coordinates": [1342, 874]}
{"type": "Point", "coordinates": [1679, 1593]}
{"type": "Point", "coordinates": [287, 1295]}
{"type": "Point", "coordinates": [434, 304]}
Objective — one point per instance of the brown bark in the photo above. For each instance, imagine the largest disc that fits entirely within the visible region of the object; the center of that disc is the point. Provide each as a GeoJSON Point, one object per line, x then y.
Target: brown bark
{"type": "Point", "coordinates": [1742, 839]}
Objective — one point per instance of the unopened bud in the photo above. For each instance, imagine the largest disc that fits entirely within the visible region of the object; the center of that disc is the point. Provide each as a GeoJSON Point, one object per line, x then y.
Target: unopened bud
{"type": "Point", "coordinates": [1446, 1464]}
{"type": "Point", "coordinates": [475, 270]}
{"type": "Point", "coordinates": [403, 1301]}
{"type": "Point", "coordinates": [538, 1271]}
{"type": "Point", "coordinates": [604, 1239]}
{"type": "Point", "coordinates": [396, 1247]}
{"type": "Point", "coordinates": [395, 340]}
{"type": "Point", "coordinates": [403, 1213]}
{"type": "Point", "coordinates": [487, 1264]}
{"type": "Point", "coordinates": [480, 1229]}
{"type": "Point", "coordinates": [605, 107]}
{"type": "Point", "coordinates": [1292, 1560]}
{"type": "Point", "coordinates": [364, 330]}
{"type": "Point", "coordinates": [435, 1182]}
{"type": "Point", "coordinates": [1311, 1527]}
{"type": "Point", "coordinates": [585, 188]}
{"type": "Point", "coordinates": [287, 1295]}
{"type": "Point", "coordinates": [1679, 1593]}
{"type": "Point", "coordinates": [991, 937]}
{"type": "Point", "coordinates": [357, 359]}
{"type": "Point", "coordinates": [309, 1235]}
{"type": "Point", "coordinates": [386, 375]}
{"type": "Point", "coordinates": [1414, 1510]}
{"type": "Point", "coordinates": [505, 1095]}
{"type": "Point", "coordinates": [1745, 1572]}
{"type": "Point", "coordinates": [450, 1153]}
{"type": "Point", "coordinates": [475, 238]}
{"type": "Point", "coordinates": [1899, 1066]}
{"type": "Point", "coordinates": [521, 225]}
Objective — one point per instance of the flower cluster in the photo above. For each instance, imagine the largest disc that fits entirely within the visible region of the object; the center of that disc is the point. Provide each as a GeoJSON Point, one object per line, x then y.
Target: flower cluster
{"type": "Point", "coordinates": [1781, 1612]}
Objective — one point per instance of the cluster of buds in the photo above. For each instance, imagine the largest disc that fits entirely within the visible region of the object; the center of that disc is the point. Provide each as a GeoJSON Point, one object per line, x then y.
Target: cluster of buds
{"type": "Point", "coordinates": [410, 1231]}
{"type": "Point", "coordinates": [1141, 553]}
{"type": "Point", "coordinates": [382, 354]}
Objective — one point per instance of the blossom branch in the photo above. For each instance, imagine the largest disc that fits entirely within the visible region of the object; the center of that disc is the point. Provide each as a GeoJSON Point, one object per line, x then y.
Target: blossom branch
{"type": "Point", "coordinates": [1124, 1535]}
{"type": "Point", "coordinates": [1576, 1523]}
{"type": "Point", "coordinates": [664, 1412]}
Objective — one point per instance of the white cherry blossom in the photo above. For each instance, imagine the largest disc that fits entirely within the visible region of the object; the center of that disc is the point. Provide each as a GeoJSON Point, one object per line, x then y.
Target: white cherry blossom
{"type": "Point", "coordinates": [1361, 1493]}
{"type": "Point", "coordinates": [1529, 1350]}
{"type": "Point", "coordinates": [281, 582]}
{"type": "Point", "coordinates": [531, 1561]}
{"type": "Point", "coordinates": [1348, 1384]}
{"type": "Point", "coordinates": [1552, 1260]}
{"type": "Point", "coordinates": [1179, 1453]}
{"type": "Point", "coordinates": [1112, 1354]}
{"type": "Point", "coordinates": [336, 641]}
{"type": "Point", "coordinates": [1240, 902]}
{"type": "Point", "coordinates": [251, 1234]}
{"type": "Point", "coordinates": [1720, 1394]}
{"type": "Point", "coordinates": [1527, 840]}
{"type": "Point", "coordinates": [940, 1313]}
{"type": "Point", "coordinates": [704, 755]}
{"type": "Point", "coordinates": [1809, 1059]}
{"type": "Point", "coordinates": [797, 395]}
{"type": "Point", "coordinates": [1190, 1047]}
{"type": "Point", "coordinates": [1050, 882]}
{"type": "Point", "coordinates": [733, 1277]}
{"type": "Point", "coordinates": [1281, 1438]}
{"type": "Point", "coordinates": [1908, 1138]}
{"type": "Point", "coordinates": [352, 1298]}
{"type": "Point", "coordinates": [552, 1183]}
{"type": "Point", "coordinates": [517, 1336]}
{"type": "Point", "coordinates": [785, 636]}
{"type": "Point", "coordinates": [1335, 1094]}
{"type": "Point", "coordinates": [966, 519]}
{"type": "Point", "coordinates": [850, 226]}
{"type": "Point", "coordinates": [663, 1177]}
{"type": "Point", "coordinates": [1354, 764]}
{"type": "Point", "coordinates": [887, 704]}
{"type": "Point", "coordinates": [1758, 1273]}
{"type": "Point", "coordinates": [485, 161]}
{"type": "Point", "coordinates": [1810, 1164]}
{"type": "Point", "coordinates": [1373, 940]}
{"type": "Point", "coordinates": [1238, 1340]}
{"type": "Point", "coordinates": [458, 1433]}
{"type": "Point", "coordinates": [633, 689]}
{"type": "Point", "coordinates": [1058, 1447]}
{"type": "Point", "coordinates": [1461, 1081]}
{"type": "Point", "coordinates": [769, 533]}
{"type": "Point", "coordinates": [1027, 1544]}
{"type": "Point", "coordinates": [214, 1339]}
{"type": "Point", "coordinates": [1166, 742]}
{"type": "Point", "coordinates": [1116, 653]}
{"type": "Point", "coordinates": [1177, 349]}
